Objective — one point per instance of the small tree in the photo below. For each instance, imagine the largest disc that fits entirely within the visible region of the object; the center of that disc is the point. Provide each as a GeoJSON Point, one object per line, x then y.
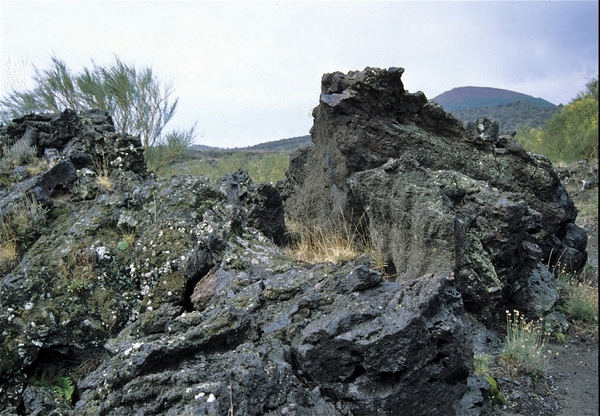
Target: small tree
{"type": "Point", "coordinates": [138, 102]}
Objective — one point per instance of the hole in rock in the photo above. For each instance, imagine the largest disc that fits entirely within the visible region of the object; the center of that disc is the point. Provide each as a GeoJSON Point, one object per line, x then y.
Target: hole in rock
{"type": "Point", "coordinates": [191, 284]}
{"type": "Point", "coordinates": [439, 358]}
{"type": "Point", "coordinates": [60, 192]}
{"type": "Point", "coordinates": [441, 342]}
{"type": "Point", "coordinates": [390, 376]}
{"type": "Point", "coordinates": [359, 370]}
{"type": "Point", "coordinates": [63, 361]}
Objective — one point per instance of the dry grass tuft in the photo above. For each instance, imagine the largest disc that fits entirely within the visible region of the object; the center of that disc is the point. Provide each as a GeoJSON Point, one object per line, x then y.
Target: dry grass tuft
{"type": "Point", "coordinates": [9, 254]}
{"type": "Point", "coordinates": [339, 242]}
{"type": "Point", "coordinates": [104, 182]}
{"type": "Point", "coordinates": [313, 244]}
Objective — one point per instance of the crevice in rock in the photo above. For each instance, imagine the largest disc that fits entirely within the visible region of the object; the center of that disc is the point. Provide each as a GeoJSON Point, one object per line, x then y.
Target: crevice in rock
{"type": "Point", "coordinates": [359, 370]}
{"type": "Point", "coordinates": [390, 377]}
{"type": "Point", "coordinates": [191, 284]}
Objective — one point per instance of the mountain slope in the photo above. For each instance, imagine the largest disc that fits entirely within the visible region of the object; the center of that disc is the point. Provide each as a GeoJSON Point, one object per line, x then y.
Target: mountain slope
{"type": "Point", "coordinates": [511, 110]}
{"type": "Point", "coordinates": [462, 98]}
{"type": "Point", "coordinates": [510, 117]}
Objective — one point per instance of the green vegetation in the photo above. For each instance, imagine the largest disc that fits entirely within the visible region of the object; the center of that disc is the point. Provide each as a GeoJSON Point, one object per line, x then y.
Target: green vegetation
{"type": "Point", "coordinates": [62, 385]}
{"type": "Point", "coordinates": [138, 102]}
{"type": "Point", "coordinates": [262, 167]}
{"type": "Point", "coordinates": [495, 393]}
{"type": "Point", "coordinates": [571, 134]}
{"type": "Point", "coordinates": [580, 298]}
{"type": "Point", "coordinates": [481, 363]}
{"type": "Point", "coordinates": [524, 346]}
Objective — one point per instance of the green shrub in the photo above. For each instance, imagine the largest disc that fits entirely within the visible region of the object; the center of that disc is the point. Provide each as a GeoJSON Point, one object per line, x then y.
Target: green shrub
{"type": "Point", "coordinates": [571, 134]}
{"type": "Point", "coordinates": [166, 151]}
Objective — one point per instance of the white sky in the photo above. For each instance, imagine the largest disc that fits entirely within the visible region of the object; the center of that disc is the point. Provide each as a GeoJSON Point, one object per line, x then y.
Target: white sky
{"type": "Point", "coordinates": [249, 72]}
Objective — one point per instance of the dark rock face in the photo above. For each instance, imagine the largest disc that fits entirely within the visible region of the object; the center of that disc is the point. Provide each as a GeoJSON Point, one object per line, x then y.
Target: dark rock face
{"type": "Point", "coordinates": [167, 297]}
{"type": "Point", "coordinates": [308, 342]}
{"type": "Point", "coordinates": [263, 205]}
{"type": "Point", "coordinates": [459, 199]}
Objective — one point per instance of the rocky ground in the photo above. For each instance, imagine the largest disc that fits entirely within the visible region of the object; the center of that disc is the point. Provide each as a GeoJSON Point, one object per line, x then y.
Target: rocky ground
{"type": "Point", "coordinates": [571, 387]}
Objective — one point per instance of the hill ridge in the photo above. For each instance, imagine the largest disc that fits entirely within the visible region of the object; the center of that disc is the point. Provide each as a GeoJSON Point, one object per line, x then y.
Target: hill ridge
{"type": "Point", "coordinates": [464, 98]}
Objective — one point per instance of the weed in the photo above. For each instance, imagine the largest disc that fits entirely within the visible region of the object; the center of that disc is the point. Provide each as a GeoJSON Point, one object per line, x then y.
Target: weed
{"type": "Point", "coordinates": [19, 227]}
{"type": "Point", "coordinates": [339, 242]}
{"type": "Point", "coordinates": [76, 270]}
{"type": "Point", "coordinates": [64, 387]}
{"type": "Point", "coordinates": [481, 363]}
{"type": "Point", "coordinates": [128, 236]}
{"type": "Point", "coordinates": [102, 176]}
{"type": "Point", "coordinates": [524, 345]}
{"type": "Point", "coordinates": [582, 303]}
{"type": "Point", "coordinates": [379, 261]}
{"type": "Point", "coordinates": [9, 254]}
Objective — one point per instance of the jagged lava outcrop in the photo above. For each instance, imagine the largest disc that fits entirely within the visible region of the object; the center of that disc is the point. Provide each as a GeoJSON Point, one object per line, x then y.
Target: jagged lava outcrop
{"type": "Point", "coordinates": [436, 196]}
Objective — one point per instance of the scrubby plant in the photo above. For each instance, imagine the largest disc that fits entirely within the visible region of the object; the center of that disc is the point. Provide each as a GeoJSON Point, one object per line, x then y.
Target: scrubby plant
{"type": "Point", "coordinates": [166, 151]}
{"type": "Point", "coordinates": [18, 152]}
{"type": "Point", "coordinates": [140, 104]}
{"type": "Point", "coordinates": [525, 345]}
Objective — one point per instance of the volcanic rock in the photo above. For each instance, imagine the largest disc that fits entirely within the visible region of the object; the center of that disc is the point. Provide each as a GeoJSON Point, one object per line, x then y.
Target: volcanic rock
{"type": "Point", "coordinates": [436, 196]}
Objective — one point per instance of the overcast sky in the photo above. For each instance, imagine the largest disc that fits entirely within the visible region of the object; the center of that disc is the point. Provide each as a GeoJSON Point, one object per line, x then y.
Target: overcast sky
{"type": "Point", "coordinates": [249, 72]}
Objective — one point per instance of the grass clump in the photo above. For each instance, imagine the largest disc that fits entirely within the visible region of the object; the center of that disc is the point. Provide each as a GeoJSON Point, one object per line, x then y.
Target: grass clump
{"type": "Point", "coordinates": [580, 299]}
{"type": "Point", "coordinates": [582, 303]}
{"type": "Point", "coordinates": [340, 241]}
{"type": "Point", "coordinates": [314, 244]}
{"type": "Point", "coordinates": [16, 152]}
{"type": "Point", "coordinates": [481, 363]}
{"type": "Point", "coordinates": [19, 227]}
{"type": "Point", "coordinates": [525, 345]}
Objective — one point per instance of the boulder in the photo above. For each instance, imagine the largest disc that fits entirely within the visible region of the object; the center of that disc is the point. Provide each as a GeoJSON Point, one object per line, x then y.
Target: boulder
{"type": "Point", "coordinates": [435, 195]}
{"type": "Point", "coordinates": [293, 341]}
